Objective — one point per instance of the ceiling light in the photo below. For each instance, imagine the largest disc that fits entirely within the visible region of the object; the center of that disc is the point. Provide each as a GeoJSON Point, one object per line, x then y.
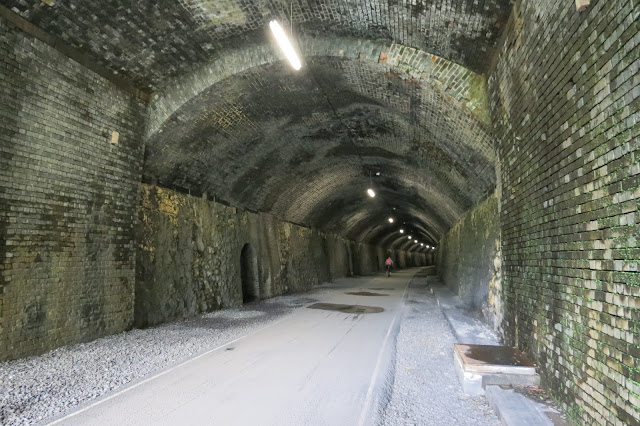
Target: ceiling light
{"type": "Point", "coordinates": [371, 192]}
{"type": "Point", "coordinates": [402, 231]}
{"type": "Point", "coordinates": [390, 220]}
{"type": "Point", "coordinates": [409, 236]}
{"type": "Point", "coordinates": [422, 244]}
{"type": "Point", "coordinates": [415, 241]}
{"type": "Point", "coordinates": [285, 45]}
{"type": "Point", "coordinates": [377, 173]}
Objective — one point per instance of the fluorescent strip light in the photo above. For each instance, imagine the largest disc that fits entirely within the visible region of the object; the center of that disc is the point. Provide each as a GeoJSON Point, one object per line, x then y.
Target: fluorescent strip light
{"type": "Point", "coordinates": [285, 45]}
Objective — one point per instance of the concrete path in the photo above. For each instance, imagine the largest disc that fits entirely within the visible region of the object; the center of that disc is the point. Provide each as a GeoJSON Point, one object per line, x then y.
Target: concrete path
{"type": "Point", "coordinates": [312, 367]}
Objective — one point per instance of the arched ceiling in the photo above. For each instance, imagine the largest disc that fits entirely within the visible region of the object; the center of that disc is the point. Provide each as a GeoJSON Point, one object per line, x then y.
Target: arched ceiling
{"type": "Point", "coordinates": [302, 145]}
{"type": "Point", "coordinates": [153, 41]}
{"type": "Point", "coordinates": [388, 86]}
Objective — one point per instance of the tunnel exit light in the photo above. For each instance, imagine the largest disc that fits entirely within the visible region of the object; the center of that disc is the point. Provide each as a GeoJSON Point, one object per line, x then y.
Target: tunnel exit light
{"type": "Point", "coordinates": [371, 192]}
{"type": "Point", "coordinates": [285, 45]}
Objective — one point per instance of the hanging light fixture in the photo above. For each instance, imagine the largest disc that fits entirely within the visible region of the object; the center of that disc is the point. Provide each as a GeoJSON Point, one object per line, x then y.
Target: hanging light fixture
{"type": "Point", "coordinates": [370, 191]}
{"type": "Point", "coordinates": [285, 45]}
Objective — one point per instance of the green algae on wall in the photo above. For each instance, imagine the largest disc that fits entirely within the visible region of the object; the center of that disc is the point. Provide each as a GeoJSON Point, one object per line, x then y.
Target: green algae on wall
{"type": "Point", "coordinates": [189, 256]}
{"type": "Point", "coordinates": [564, 103]}
{"type": "Point", "coordinates": [469, 260]}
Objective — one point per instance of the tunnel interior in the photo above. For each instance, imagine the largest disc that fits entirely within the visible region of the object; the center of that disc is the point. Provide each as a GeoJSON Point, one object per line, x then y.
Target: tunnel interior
{"type": "Point", "coordinates": [162, 159]}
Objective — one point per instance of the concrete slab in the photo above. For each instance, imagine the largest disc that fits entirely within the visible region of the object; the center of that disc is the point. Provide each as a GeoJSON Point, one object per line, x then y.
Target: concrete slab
{"type": "Point", "coordinates": [466, 325]}
{"type": "Point", "coordinates": [487, 359]}
{"type": "Point", "coordinates": [513, 408]}
{"type": "Point", "coordinates": [479, 365]}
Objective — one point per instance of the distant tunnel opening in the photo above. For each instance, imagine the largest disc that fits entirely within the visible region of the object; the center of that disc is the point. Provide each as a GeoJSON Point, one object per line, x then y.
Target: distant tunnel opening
{"type": "Point", "coordinates": [249, 274]}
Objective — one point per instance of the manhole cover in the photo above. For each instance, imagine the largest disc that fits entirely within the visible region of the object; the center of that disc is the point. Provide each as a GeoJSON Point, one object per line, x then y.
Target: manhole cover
{"type": "Point", "coordinates": [347, 309]}
{"type": "Point", "coordinates": [365, 293]}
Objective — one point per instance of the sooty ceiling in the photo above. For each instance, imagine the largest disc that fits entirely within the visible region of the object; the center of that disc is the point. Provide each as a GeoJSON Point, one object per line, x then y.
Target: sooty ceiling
{"type": "Point", "coordinates": [151, 41]}
{"type": "Point", "coordinates": [306, 145]}
{"type": "Point", "coordinates": [391, 97]}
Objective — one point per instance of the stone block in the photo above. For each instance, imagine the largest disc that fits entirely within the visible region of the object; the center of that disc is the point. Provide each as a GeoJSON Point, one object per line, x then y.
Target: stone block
{"type": "Point", "coordinates": [479, 365]}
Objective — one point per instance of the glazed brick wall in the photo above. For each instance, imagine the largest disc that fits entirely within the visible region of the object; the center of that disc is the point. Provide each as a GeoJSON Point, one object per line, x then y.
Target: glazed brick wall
{"type": "Point", "coordinates": [565, 101]}
{"type": "Point", "coordinates": [68, 199]}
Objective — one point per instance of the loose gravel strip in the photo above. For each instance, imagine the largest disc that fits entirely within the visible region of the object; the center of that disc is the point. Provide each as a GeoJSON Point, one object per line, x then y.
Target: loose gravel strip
{"type": "Point", "coordinates": [35, 390]}
{"type": "Point", "coordinates": [424, 389]}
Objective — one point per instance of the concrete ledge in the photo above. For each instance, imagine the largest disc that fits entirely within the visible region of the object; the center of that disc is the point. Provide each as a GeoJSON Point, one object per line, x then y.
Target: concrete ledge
{"type": "Point", "coordinates": [510, 379]}
{"type": "Point", "coordinates": [479, 365]}
{"type": "Point", "coordinates": [515, 409]}
{"type": "Point", "coordinates": [465, 324]}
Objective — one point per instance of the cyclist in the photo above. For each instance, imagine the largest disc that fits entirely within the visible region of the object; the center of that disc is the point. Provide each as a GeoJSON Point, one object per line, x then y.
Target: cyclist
{"type": "Point", "coordinates": [388, 265]}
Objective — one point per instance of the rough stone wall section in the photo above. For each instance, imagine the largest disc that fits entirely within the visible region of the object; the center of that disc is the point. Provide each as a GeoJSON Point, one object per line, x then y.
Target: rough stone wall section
{"type": "Point", "coordinates": [189, 256]}
{"type": "Point", "coordinates": [469, 260]}
{"type": "Point", "coordinates": [565, 99]}
{"type": "Point", "coordinates": [67, 199]}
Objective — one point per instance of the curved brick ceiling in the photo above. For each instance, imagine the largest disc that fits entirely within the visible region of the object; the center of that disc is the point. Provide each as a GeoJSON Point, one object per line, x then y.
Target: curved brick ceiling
{"type": "Point", "coordinates": [151, 41]}
{"type": "Point", "coordinates": [302, 145]}
{"type": "Point", "coordinates": [228, 118]}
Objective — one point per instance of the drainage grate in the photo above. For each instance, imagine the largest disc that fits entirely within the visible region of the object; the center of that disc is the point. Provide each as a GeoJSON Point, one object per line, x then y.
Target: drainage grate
{"type": "Point", "coordinates": [347, 309]}
{"type": "Point", "coordinates": [365, 293]}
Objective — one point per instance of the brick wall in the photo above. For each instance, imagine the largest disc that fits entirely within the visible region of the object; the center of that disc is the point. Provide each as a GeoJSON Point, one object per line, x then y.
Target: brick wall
{"type": "Point", "coordinates": [566, 110]}
{"type": "Point", "coordinates": [469, 260]}
{"type": "Point", "coordinates": [67, 199]}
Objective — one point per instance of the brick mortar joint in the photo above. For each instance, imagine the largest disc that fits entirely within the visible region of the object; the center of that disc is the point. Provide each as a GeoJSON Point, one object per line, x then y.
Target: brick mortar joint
{"type": "Point", "coordinates": [166, 102]}
{"type": "Point", "coordinates": [17, 21]}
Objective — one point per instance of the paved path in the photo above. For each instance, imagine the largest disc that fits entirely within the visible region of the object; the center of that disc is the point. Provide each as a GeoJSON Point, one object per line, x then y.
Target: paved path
{"type": "Point", "coordinates": [312, 367]}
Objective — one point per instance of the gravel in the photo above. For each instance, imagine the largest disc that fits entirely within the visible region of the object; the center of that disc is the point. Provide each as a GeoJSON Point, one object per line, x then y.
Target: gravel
{"type": "Point", "coordinates": [423, 388]}
{"type": "Point", "coordinates": [38, 389]}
